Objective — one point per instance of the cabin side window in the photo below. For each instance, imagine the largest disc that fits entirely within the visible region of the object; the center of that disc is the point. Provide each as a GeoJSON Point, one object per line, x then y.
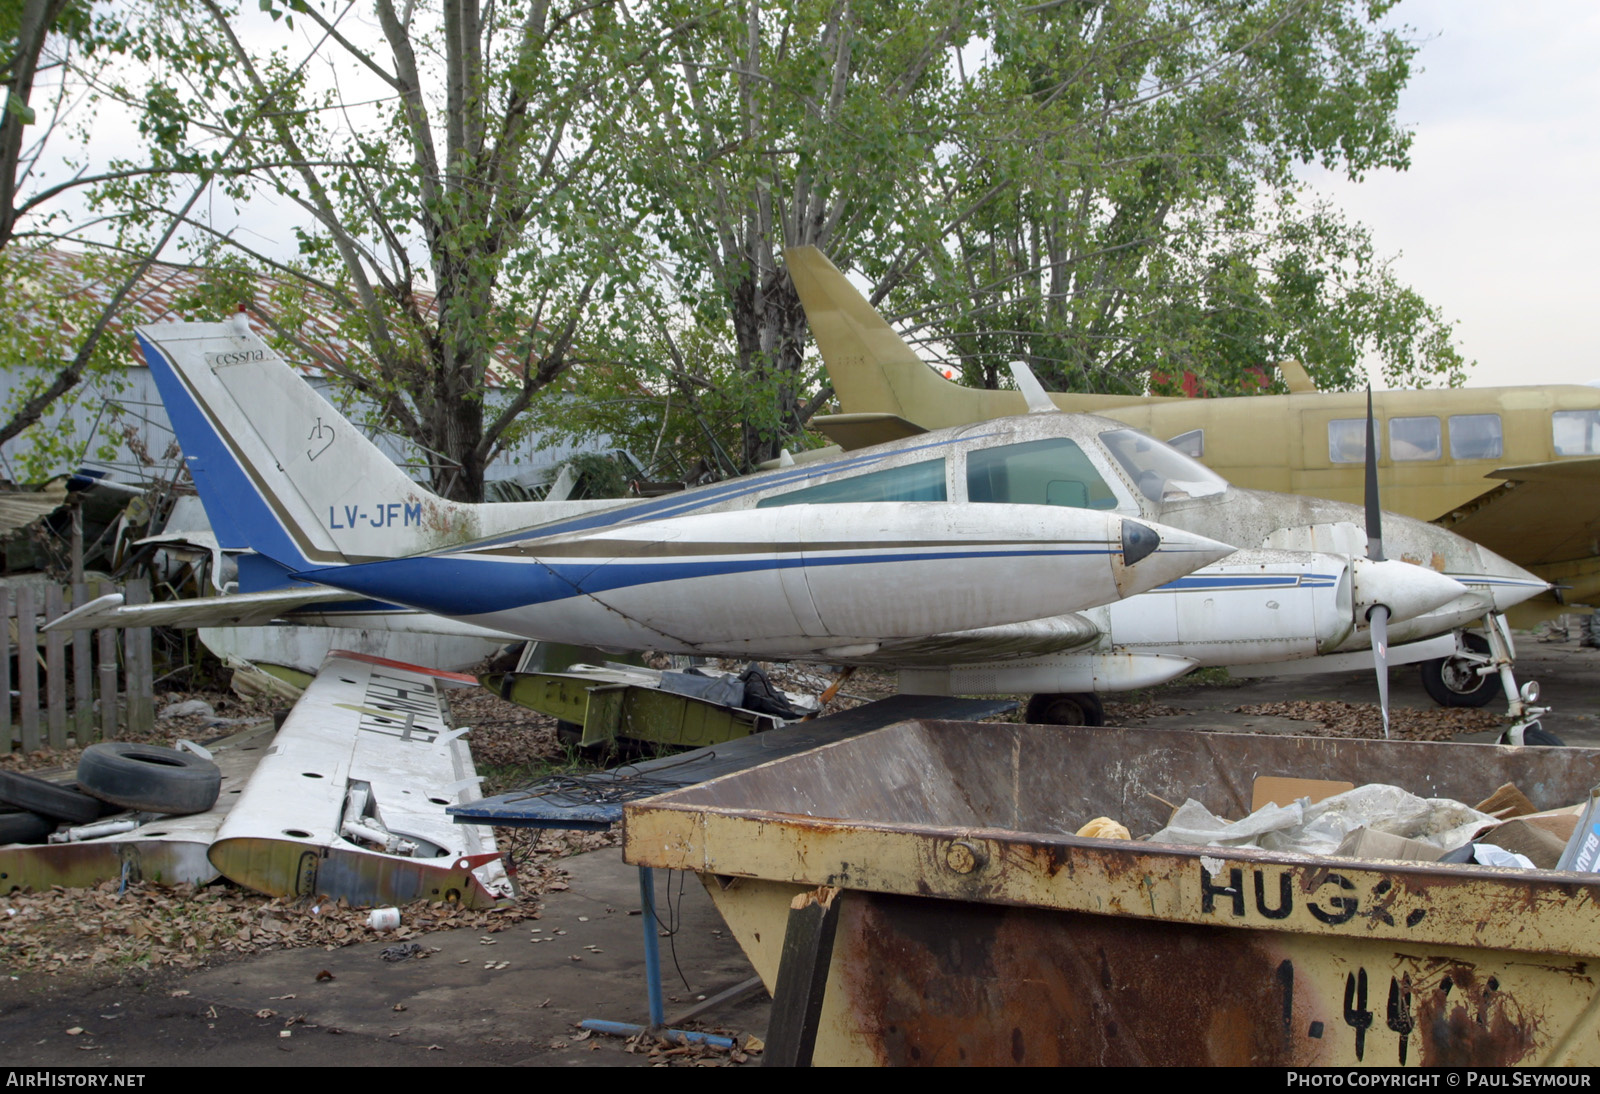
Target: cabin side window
{"type": "Point", "coordinates": [1048, 472]}
{"type": "Point", "coordinates": [1576, 432]}
{"type": "Point", "coordinates": [911, 482]}
{"type": "Point", "coordinates": [1476, 437]}
{"type": "Point", "coordinates": [1347, 440]}
{"type": "Point", "coordinates": [1415, 439]}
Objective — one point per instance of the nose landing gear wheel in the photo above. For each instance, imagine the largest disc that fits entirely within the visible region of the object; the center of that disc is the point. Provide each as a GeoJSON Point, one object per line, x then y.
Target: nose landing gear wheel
{"type": "Point", "coordinates": [1076, 709]}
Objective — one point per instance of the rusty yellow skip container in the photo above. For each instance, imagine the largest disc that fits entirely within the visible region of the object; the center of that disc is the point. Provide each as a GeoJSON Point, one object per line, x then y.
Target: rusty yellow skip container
{"type": "Point", "coordinates": [974, 928]}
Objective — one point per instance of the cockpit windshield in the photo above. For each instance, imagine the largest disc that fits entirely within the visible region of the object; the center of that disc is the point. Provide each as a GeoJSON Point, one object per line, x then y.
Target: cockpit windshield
{"type": "Point", "coordinates": [1161, 472]}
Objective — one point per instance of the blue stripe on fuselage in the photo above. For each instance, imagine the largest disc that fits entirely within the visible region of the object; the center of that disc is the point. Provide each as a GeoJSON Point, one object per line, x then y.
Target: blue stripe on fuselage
{"type": "Point", "coordinates": [1219, 582]}
{"type": "Point", "coordinates": [460, 587]}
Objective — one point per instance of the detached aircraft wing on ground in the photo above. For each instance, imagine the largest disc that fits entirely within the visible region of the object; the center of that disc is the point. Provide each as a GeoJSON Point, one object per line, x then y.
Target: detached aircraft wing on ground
{"type": "Point", "coordinates": [350, 801]}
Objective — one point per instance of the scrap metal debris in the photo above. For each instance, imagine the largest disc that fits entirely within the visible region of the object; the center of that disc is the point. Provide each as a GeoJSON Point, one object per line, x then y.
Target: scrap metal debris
{"type": "Point", "coordinates": [403, 951]}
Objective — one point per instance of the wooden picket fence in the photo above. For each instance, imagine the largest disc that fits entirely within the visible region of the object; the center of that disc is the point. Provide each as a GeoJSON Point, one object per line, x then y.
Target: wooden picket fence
{"type": "Point", "coordinates": [96, 685]}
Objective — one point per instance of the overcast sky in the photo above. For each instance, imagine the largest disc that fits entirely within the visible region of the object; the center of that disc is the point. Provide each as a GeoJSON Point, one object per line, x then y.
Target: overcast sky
{"type": "Point", "coordinates": [1497, 222]}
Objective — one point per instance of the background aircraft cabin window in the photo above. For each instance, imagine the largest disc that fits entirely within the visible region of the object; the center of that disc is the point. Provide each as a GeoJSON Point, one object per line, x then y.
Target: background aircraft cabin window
{"type": "Point", "coordinates": [1161, 471]}
{"type": "Point", "coordinates": [912, 482]}
{"type": "Point", "coordinates": [1576, 432]}
{"type": "Point", "coordinates": [1347, 440]}
{"type": "Point", "coordinates": [1415, 439]}
{"type": "Point", "coordinates": [1048, 472]}
{"type": "Point", "coordinates": [1192, 443]}
{"type": "Point", "coordinates": [1476, 437]}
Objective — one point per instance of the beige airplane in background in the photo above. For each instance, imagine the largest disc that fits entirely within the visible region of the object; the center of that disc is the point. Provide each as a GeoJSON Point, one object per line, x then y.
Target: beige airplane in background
{"type": "Point", "coordinates": [1512, 468]}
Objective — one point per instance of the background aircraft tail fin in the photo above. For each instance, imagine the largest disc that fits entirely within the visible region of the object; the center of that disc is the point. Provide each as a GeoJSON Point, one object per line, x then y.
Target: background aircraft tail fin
{"type": "Point", "coordinates": [870, 366]}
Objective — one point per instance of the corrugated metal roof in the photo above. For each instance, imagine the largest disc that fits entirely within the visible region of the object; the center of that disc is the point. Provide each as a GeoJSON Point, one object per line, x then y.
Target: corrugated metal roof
{"type": "Point", "coordinates": [163, 288]}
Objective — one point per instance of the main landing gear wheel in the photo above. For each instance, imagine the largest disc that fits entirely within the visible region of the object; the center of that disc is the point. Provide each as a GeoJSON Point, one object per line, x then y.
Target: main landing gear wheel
{"type": "Point", "coordinates": [1076, 709]}
{"type": "Point", "coordinates": [1455, 682]}
{"type": "Point", "coordinates": [149, 778]}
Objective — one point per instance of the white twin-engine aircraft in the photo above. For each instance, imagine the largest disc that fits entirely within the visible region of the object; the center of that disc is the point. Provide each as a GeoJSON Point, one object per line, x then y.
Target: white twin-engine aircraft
{"type": "Point", "coordinates": [1052, 553]}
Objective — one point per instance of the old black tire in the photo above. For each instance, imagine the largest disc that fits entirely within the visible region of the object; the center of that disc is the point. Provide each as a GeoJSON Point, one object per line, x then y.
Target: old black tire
{"type": "Point", "coordinates": [149, 778]}
{"type": "Point", "coordinates": [20, 826]}
{"type": "Point", "coordinates": [1076, 709]}
{"type": "Point", "coordinates": [47, 799]}
{"type": "Point", "coordinates": [1454, 682]}
{"type": "Point", "coordinates": [1538, 735]}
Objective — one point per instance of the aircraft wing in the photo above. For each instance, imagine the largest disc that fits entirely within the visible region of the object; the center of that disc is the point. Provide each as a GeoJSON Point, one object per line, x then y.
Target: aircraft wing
{"type": "Point", "coordinates": [1537, 515]}
{"type": "Point", "coordinates": [1035, 638]}
{"type": "Point", "coordinates": [351, 801]}
{"type": "Point", "coordinates": [239, 610]}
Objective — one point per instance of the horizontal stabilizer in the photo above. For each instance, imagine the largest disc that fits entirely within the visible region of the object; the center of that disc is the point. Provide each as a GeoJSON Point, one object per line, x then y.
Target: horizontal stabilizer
{"type": "Point", "coordinates": [853, 431]}
{"type": "Point", "coordinates": [1530, 517]}
{"type": "Point", "coordinates": [242, 610]}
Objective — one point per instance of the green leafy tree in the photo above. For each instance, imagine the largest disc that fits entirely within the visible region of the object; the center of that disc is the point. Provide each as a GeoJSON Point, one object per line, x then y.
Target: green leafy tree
{"type": "Point", "coordinates": [456, 202]}
{"type": "Point", "coordinates": [60, 308]}
{"type": "Point", "coordinates": [1105, 189]}
{"type": "Point", "coordinates": [760, 128]}
{"type": "Point", "coordinates": [1146, 218]}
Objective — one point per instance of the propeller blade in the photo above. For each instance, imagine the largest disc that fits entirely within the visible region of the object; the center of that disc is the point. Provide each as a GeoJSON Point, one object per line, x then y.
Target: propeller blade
{"type": "Point", "coordinates": [1374, 513]}
{"type": "Point", "coordinates": [1378, 616]}
{"type": "Point", "coordinates": [1380, 658]}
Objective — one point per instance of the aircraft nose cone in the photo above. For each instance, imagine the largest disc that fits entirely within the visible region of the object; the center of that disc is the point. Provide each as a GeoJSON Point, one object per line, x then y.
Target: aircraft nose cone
{"type": "Point", "coordinates": [1154, 554]}
{"type": "Point", "coordinates": [1405, 589]}
{"type": "Point", "coordinates": [1138, 540]}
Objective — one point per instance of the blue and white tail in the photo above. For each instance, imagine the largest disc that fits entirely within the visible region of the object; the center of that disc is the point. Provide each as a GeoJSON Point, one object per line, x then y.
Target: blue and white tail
{"type": "Point", "coordinates": [282, 472]}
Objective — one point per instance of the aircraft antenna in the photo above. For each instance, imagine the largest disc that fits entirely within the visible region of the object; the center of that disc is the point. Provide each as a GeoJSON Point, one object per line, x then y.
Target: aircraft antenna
{"type": "Point", "coordinates": [1039, 401]}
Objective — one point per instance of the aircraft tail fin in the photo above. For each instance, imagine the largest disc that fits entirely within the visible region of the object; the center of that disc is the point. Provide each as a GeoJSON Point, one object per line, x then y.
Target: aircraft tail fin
{"type": "Point", "coordinates": [870, 366]}
{"type": "Point", "coordinates": [281, 471]}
